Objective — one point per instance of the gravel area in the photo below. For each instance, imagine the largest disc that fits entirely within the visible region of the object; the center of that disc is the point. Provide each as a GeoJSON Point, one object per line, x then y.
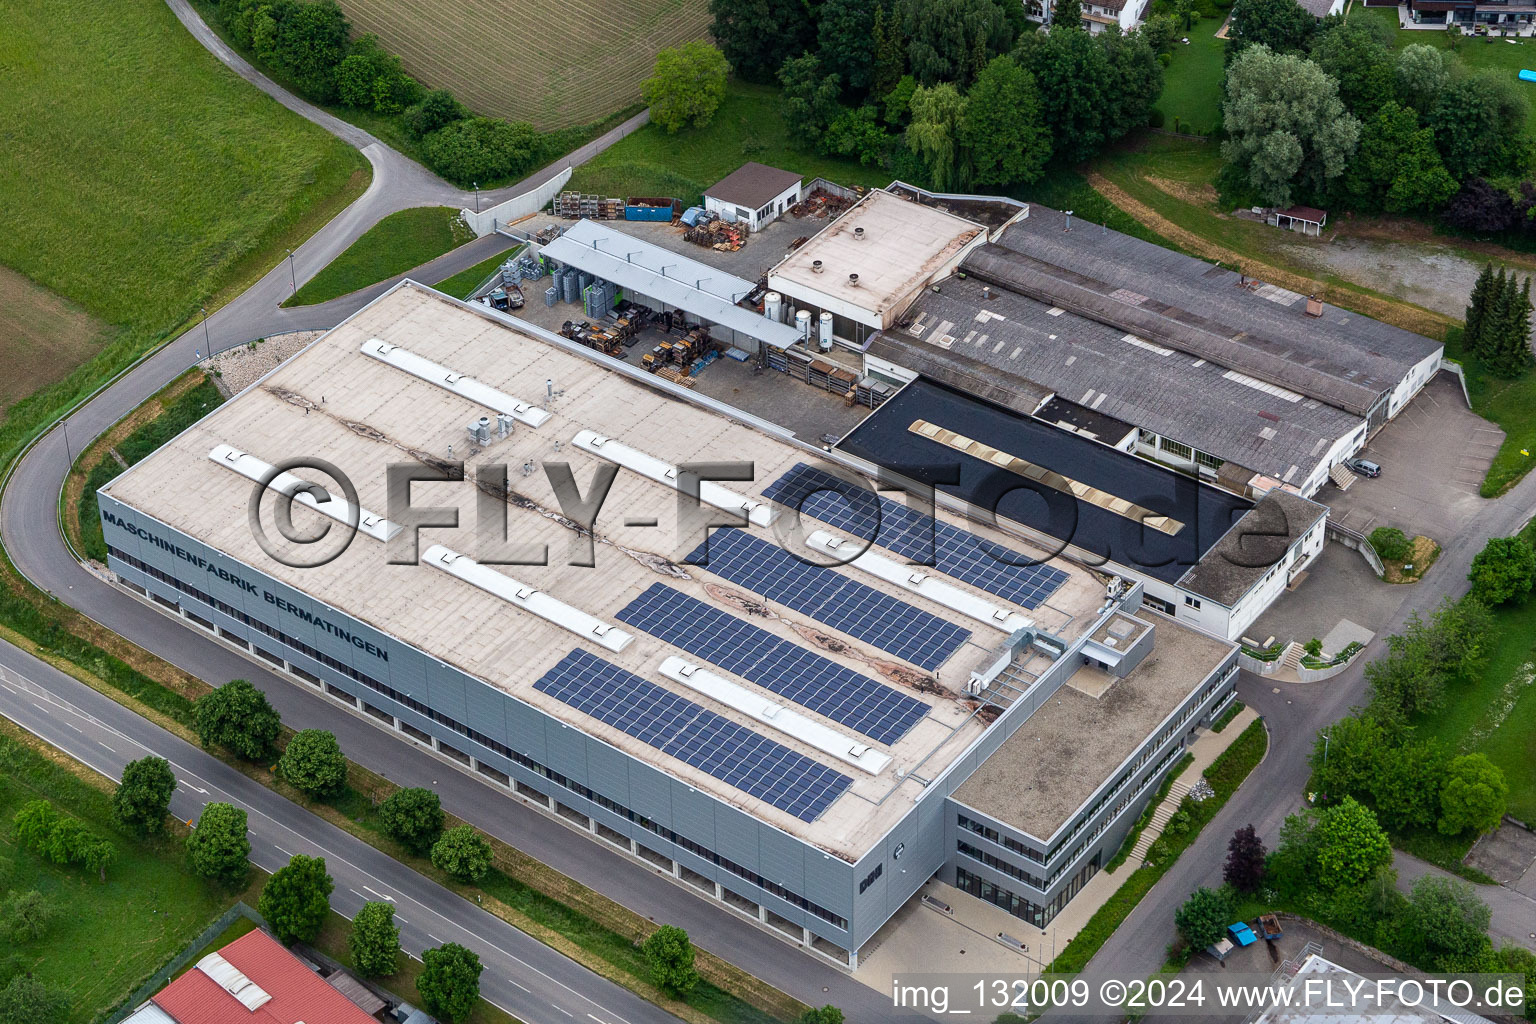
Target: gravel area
{"type": "Point", "coordinates": [238, 368]}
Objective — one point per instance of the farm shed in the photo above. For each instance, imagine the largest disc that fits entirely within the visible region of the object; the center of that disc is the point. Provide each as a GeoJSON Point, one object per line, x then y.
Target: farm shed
{"type": "Point", "coordinates": [1306, 219]}
{"type": "Point", "coordinates": [754, 193]}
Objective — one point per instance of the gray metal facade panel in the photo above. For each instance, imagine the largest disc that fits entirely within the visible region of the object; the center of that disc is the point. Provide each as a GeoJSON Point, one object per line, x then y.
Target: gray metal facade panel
{"type": "Point", "coordinates": [567, 750]}
{"type": "Point", "coordinates": [608, 772]}
{"type": "Point", "coordinates": [445, 690]}
{"type": "Point", "coordinates": [736, 836]}
{"type": "Point", "coordinates": [651, 793]}
{"type": "Point", "coordinates": [783, 858]}
{"type": "Point", "coordinates": [486, 710]}
{"type": "Point", "coordinates": [693, 815]}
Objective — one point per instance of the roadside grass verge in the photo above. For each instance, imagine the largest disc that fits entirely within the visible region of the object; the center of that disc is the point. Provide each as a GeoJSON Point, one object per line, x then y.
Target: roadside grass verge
{"type": "Point", "coordinates": [748, 126]}
{"type": "Point", "coordinates": [179, 404]}
{"type": "Point", "coordinates": [394, 245]}
{"type": "Point", "coordinates": [1225, 774]}
{"type": "Point", "coordinates": [460, 285]}
{"type": "Point", "coordinates": [1509, 403]}
{"type": "Point", "coordinates": [1233, 710]}
{"type": "Point", "coordinates": [103, 940]}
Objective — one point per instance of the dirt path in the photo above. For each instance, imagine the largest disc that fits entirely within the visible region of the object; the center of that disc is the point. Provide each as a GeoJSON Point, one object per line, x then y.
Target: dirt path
{"type": "Point", "coordinates": [1411, 318]}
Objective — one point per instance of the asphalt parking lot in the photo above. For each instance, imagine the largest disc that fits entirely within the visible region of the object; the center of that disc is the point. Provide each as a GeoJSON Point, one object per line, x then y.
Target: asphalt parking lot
{"type": "Point", "coordinates": [1433, 457]}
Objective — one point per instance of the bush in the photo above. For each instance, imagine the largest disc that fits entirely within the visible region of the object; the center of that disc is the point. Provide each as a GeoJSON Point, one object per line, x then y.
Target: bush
{"type": "Point", "coordinates": [463, 853]}
{"type": "Point", "coordinates": [313, 763]}
{"type": "Point", "coordinates": [413, 818]}
{"type": "Point", "coordinates": [1505, 570]}
{"type": "Point", "coordinates": [1451, 916]}
{"type": "Point", "coordinates": [24, 916]}
{"type": "Point", "coordinates": [1473, 795]}
{"type": "Point", "coordinates": [1204, 917]}
{"type": "Point", "coordinates": [437, 109]}
{"type": "Point", "coordinates": [482, 149]}
{"type": "Point", "coordinates": [1391, 543]}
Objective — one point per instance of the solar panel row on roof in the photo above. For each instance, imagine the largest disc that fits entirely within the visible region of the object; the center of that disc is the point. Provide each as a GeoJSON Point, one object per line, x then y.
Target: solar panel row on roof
{"type": "Point", "coordinates": [694, 735]}
{"type": "Point", "coordinates": [916, 537]}
{"type": "Point", "coordinates": [808, 679]}
{"type": "Point", "coordinates": [830, 598]}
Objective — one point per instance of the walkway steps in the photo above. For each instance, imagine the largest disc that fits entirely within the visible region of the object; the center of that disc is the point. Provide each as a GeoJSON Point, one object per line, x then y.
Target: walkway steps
{"type": "Point", "coordinates": [1341, 475]}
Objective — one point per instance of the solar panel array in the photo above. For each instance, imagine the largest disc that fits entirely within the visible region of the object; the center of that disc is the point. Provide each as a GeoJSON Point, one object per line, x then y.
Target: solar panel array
{"type": "Point", "coordinates": [954, 552]}
{"type": "Point", "coordinates": [695, 735]}
{"type": "Point", "coordinates": [830, 598]}
{"type": "Point", "coordinates": [808, 679]}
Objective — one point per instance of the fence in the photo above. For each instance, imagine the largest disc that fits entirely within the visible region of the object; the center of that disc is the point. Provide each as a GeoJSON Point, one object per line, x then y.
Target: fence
{"type": "Point", "coordinates": [158, 980]}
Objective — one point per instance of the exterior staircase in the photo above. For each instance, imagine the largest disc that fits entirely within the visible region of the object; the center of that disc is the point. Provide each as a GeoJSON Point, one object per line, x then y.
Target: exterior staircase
{"type": "Point", "coordinates": [1165, 810]}
{"type": "Point", "coordinates": [1341, 475]}
{"type": "Point", "coordinates": [1291, 659]}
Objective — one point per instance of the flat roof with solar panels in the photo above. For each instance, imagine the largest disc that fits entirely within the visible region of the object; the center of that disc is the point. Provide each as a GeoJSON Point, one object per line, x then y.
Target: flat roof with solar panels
{"type": "Point", "coordinates": [821, 700]}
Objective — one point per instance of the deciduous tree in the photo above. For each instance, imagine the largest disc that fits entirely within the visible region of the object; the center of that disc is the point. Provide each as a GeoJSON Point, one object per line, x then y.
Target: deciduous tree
{"type": "Point", "coordinates": [670, 956]}
{"type": "Point", "coordinates": [1505, 570]}
{"type": "Point", "coordinates": [1244, 869]}
{"type": "Point", "coordinates": [1473, 796]}
{"type": "Point", "coordinates": [25, 1000]}
{"type": "Point", "coordinates": [1421, 75]}
{"type": "Point", "coordinates": [951, 40]}
{"type": "Point", "coordinates": [1286, 128]}
{"type": "Point", "coordinates": [1450, 914]}
{"type": "Point", "coordinates": [809, 100]}
{"type": "Point", "coordinates": [1397, 168]}
{"type": "Point", "coordinates": [686, 87]}
{"type": "Point", "coordinates": [937, 114]}
{"type": "Point", "coordinates": [412, 817]}
{"type": "Point", "coordinates": [1479, 126]}
{"type": "Point", "coordinates": [219, 847]}
{"type": "Point", "coordinates": [483, 149]}
{"type": "Point", "coordinates": [449, 983]}
{"type": "Point", "coordinates": [296, 899]}
{"type": "Point", "coordinates": [845, 39]}
{"type": "Point", "coordinates": [1072, 75]}
{"type": "Point", "coordinates": [1350, 845]}
{"type": "Point", "coordinates": [313, 763]}
{"type": "Point", "coordinates": [143, 797]}
{"type": "Point", "coordinates": [24, 916]}
{"type": "Point", "coordinates": [1001, 127]}
{"type": "Point", "coordinates": [1203, 918]}
{"type": "Point", "coordinates": [1361, 62]}
{"type": "Point", "coordinates": [1282, 25]}
{"type": "Point", "coordinates": [238, 717]}
{"type": "Point", "coordinates": [374, 941]}
{"type": "Point", "coordinates": [757, 36]}
{"type": "Point", "coordinates": [463, 853]}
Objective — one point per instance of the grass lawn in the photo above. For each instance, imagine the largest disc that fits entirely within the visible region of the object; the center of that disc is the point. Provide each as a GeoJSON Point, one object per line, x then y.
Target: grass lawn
{"type": "Point", "coordinates": [465, 281]}
{"type": "Point", "coordinates": [1191, 99]}
{"type": "Point", "coordinates": [748, 126]}
{"type": "Point", "coordinates": [1498, 716]}
{"type": "Point", "coordinates": [1509, 403]}
{"type": "Point", "coordinates": [392, 246]}
{"type": "Point", "coordinates": [104, 940]}
{"type": "Point", "coordinates": [140, 179]}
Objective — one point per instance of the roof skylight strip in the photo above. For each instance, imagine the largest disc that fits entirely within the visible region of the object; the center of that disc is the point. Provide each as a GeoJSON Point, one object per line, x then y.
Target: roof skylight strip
{"type": "Point", "coordinates": [303, 491]}
{"type": "Point", "coordinates": [464, 386]}
{"type": "Point", "coordinates": [758, 513]}
{"type": "Point", "coordinates": [527, 597]}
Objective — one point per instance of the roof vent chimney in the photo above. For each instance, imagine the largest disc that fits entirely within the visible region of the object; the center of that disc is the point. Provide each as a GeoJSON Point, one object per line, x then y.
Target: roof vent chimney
{"type": "Point", "coordinates": [504, 423]}
{"type": "Point", "coordinates": [986, 291]}
{"type": "Point", "coordinates": [853, 280]}
{"type": "Point", "coordinates": [815, 266]}
{"type": "Point", "coordinates": [480, 430]}
{"type": "Point", "coordinates": [858, 234]}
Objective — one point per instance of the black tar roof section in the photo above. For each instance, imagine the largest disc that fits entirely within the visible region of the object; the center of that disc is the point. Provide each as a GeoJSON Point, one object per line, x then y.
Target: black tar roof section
{"type": "Point", "coordinates": [752, 184]}
{"type": "Point", "coordinates": [884, 439]}
{"type": "Point", "coordinates": [1240, 559]}
{"type": "Point", "coordinates": [1019, 354]}
{"type": "Point", "coordinates": [1341, 358]}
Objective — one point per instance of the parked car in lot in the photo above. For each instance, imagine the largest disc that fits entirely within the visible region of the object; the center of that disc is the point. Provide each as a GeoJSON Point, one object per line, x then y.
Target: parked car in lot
{"type": "Point", "coordinates": [1365, 467]}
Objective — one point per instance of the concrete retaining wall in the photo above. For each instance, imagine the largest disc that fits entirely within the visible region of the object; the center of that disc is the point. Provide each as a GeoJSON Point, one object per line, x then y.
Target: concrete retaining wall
{"type": "Point", "coordinates": [1258, 667]}
{"type": "Point", "coordinates": [1358, 542]}
{"type": "Point", "coordinates": [516, 208]}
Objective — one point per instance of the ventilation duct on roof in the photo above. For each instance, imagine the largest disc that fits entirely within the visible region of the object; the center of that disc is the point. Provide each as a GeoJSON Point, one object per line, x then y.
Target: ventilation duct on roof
{"type": "Point", "coordinates": [464, 386]}
{"type": "Point", "coordinates": [710, 493]}
{"type": "Point", "coordinates": [303, 492]}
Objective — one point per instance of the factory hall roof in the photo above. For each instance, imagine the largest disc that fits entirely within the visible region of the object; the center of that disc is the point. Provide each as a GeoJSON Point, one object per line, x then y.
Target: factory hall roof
{"type": "Point", "coordinates": [753, 185]}
{"type": "Point", "coordinates": [1113, 504]}
{"type": "Point", "coordinates": [1248, 551]}
{"type": "Point", "coordinates": [894, 245]}
{"type": "Point", "coordinates": [386, 387]}
{"type": "Point", "coordinates": [1016, 350]}
{"type": "Point", "coordinates": [1344, 359]}
{"type": "Point", "coordinates": [1080, 737]}
{"type": "Point", "coordinates": [643, 267]}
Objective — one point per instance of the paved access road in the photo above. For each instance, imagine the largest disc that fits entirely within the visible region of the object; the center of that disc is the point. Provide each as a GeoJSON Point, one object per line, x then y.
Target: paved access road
{"type": "Point", "coordinates": [522, 975]}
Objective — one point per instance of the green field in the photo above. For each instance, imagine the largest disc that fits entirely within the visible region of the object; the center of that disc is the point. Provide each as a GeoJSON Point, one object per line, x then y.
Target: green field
{"type": "Point", "coordinates": [394, 245]}
{"type": "Point", "coordinates": [748, 126]}
{"type": "Point", "coordinates": [104, 940]}
{"type": "Point", "coordinates": [1191, 99]}
{"type": "Point", "coordinates": [141, 179]}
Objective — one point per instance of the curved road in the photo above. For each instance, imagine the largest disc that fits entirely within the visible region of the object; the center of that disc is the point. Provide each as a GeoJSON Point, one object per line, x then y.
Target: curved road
{"type": "Point", "coordinates": [28, 527]}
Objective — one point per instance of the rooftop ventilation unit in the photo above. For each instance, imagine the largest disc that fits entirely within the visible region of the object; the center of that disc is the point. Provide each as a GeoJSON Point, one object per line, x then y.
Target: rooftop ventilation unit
{"type": "Point", "coordinates": [526, 597]}
{"type": "Point", "coordinates": [853, 280]}
{"type": "Point", "coordinates": [228, 977]}
{"type": "Point", "coordinates": [816, 266]}
{"type": "Point", "coordinates": [858, 234]}
{"type": "Point", "coordinates": [754, 511]}
{"type": "Point", "coordinates": [480, 430]}
{"type": "Point", "coordinates": [334, 506]}
{"type": "Point", "coordinates": [504, 424]}
{"type": "Point", "coordinates": [917, 581]}
{"type": "Point", "coordinates": [776, 716]}
{"type": "Point", "coordinates": [464, 386]}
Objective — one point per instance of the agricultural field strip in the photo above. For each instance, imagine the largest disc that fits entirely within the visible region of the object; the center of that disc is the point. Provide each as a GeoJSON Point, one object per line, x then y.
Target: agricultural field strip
{"type": "Point", "coordinates": [421, 37]}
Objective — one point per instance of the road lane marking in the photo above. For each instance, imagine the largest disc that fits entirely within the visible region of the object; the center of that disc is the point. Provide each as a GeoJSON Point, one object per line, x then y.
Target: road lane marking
{"type": "Point", "coordinates": [380, 895]}
{"type": "Point", "coordinates": [563, 1010]}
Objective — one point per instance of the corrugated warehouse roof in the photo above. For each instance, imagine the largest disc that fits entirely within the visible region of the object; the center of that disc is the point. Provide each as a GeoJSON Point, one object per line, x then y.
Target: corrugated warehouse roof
{"type": "Point", "coordinates": [1341, 358]}
{"type": "Point", "coordinates": [1015, 350]}
{"type": "Point", "coordinates": [670, 277]}
{"type": "Point", "coordinates": [295, 993]}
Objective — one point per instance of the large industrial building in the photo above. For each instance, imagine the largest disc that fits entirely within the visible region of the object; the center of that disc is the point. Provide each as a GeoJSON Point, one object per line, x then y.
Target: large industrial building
{"type": "Point", "coordinates": [784, 716]}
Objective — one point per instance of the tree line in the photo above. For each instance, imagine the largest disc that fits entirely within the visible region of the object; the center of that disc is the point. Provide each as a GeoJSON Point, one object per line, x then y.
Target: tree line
{"type": "Point", "coordinates": [309, 44]}
{"type": "Point", "coordinates": [955, 93]}
{"type": "Point", "coordinates": [1328, 113]}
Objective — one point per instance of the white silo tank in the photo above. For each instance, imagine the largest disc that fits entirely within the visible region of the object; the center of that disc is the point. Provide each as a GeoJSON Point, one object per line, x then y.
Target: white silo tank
{"type": "Point", "coordinates": [826, 332]}
{"type": "Point", "coordinates": [773, 307]}
{"type": "Point", "coordinates": [803, 324]}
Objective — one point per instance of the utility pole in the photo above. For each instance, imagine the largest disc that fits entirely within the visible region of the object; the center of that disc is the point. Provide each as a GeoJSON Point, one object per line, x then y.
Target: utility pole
{"type": "Point", "coordinates": [292, 275]}
{"type": "Point", "coordinates": [206, 342]}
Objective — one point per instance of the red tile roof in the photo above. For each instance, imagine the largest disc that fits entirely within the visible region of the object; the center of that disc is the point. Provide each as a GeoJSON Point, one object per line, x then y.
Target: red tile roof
{"type": "Point", "coordinates": [1309, 213]}
{"type": "Point", "coordinates": [297, 993]}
